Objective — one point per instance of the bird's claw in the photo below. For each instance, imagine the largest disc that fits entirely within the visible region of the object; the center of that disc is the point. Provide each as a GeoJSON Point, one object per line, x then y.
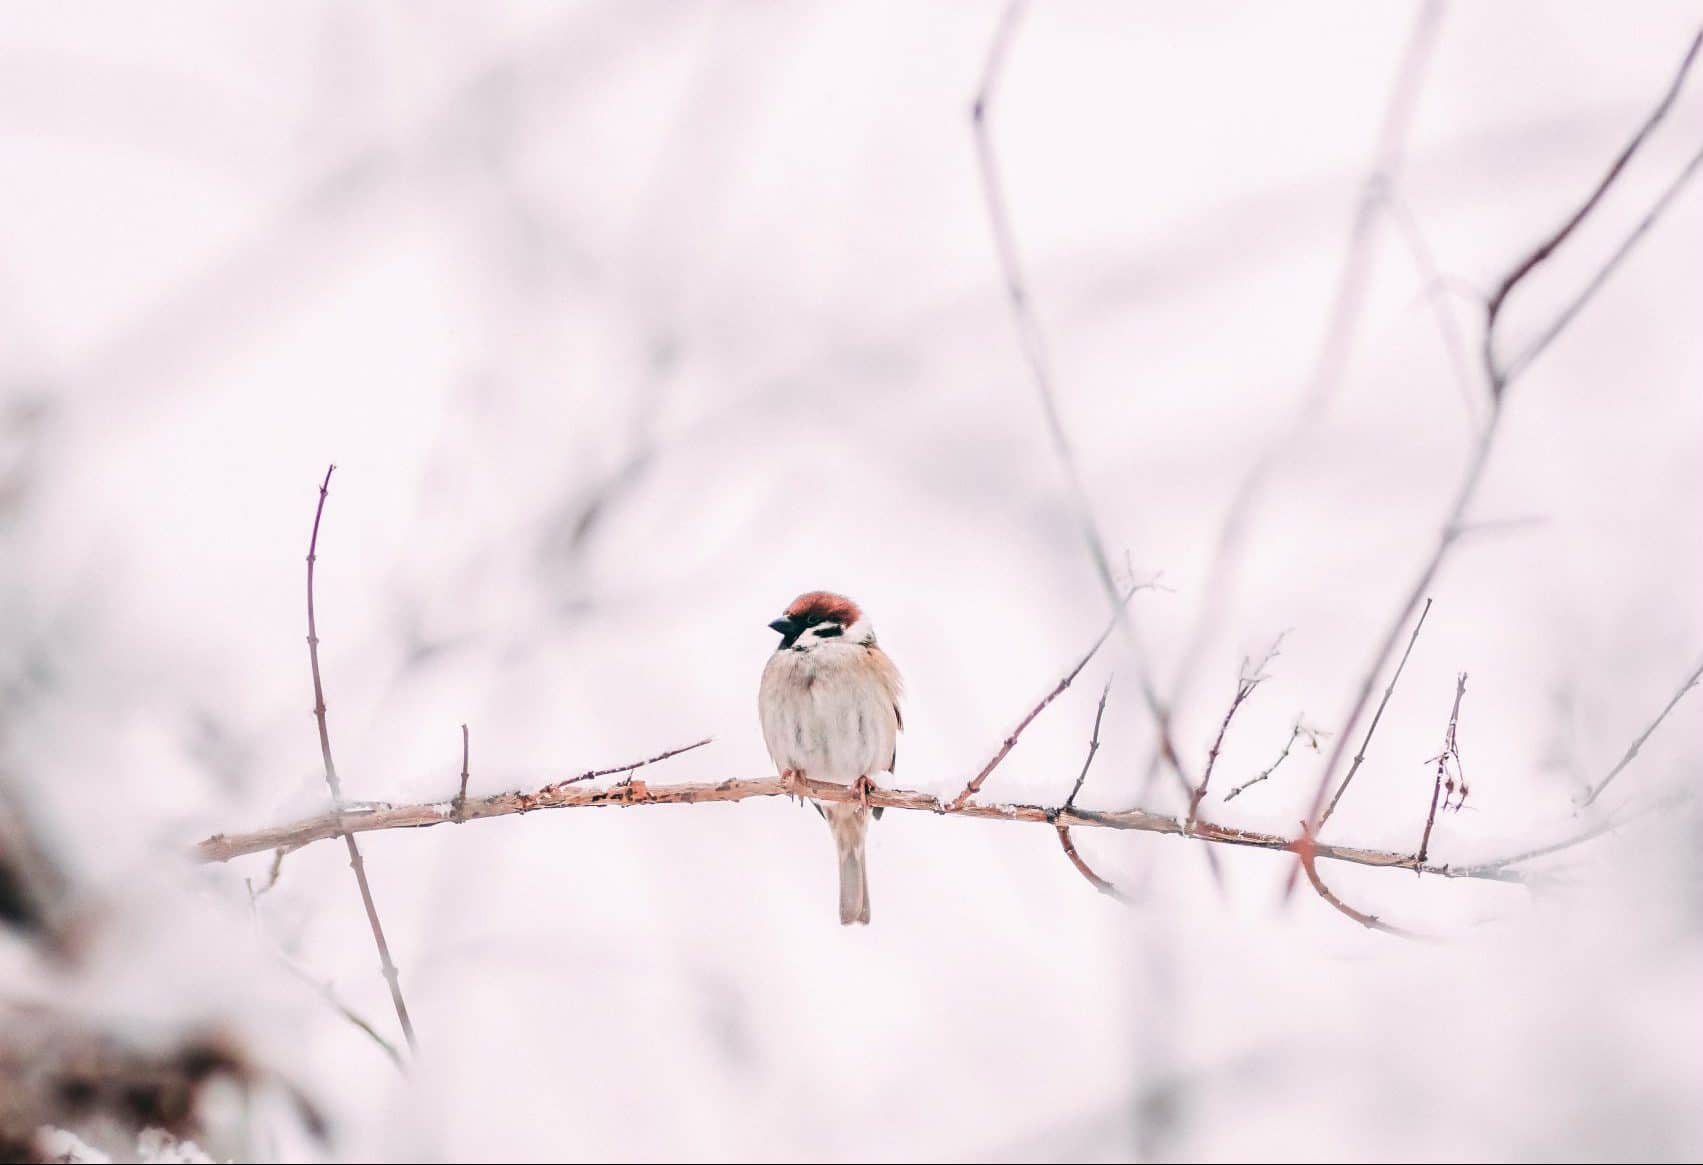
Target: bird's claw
{"type": "Point", "coordinates": [861, 788]}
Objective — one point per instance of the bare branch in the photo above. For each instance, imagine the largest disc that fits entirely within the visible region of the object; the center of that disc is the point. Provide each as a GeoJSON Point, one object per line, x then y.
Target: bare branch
{"type": "Point", "coordinates": [1083, 868]}
{"type": "Point", "coordinates": [1499, 377]}
{"type": "Point", "coordinates": [1033, 342]}
{"type": "Point", "coordinates": [1453, 525]}
{"type": "Point", "coordinates": [1308, 851]}
{"type": "Point", "coordinates": [1297, 731]}
{"type": "Point", "coordinates": [1365, 694]}
{"type": "Point", "coordinates": [1246, 681]}
{"type": "Point", "coordinates": [1596, 790]}
{"type": "Point", "coordinates": [975, 783]}
{"type": "Point", "coordinates": [1497, 866]}
{"type": "Point", "coordinates": [1030, 335]}
{"type": "Point", "coordinates": [1064, 839]}
{"type": "Point", "coordinates": [386, 965]}
{"type": "Point", "coordinates": [378, 816]}
{"type": "Point", "coordinates": [1559, 324]}
{"type": "Point", "coordinates": [1093, 745]}
{"type": "Point", "coordinates": [1450, 751]}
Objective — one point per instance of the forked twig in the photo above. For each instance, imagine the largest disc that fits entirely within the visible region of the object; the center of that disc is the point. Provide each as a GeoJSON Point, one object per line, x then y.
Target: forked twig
{"type": "Point", "coordinates": [1246, 681]}
{"type": "Point", "coordinates": [1451, 751]}
{"type": "Point", "coordinates": [1300, 729]}
{"type": "Point", "coordinates": [1500, 380]}
{"type": "Point", "coordinates": [1500, 377]}
{"type": "Point", "coordinates": [386, 965]}
{"type": "Point", "coordinates": [1577, 304]}
{"type": "Point", "coordinates": [975, 783]}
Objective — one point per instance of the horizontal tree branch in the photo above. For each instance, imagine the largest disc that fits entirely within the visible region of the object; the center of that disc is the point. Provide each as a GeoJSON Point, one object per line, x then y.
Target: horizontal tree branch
{"type": "Point", "coordinates": [359, 818]}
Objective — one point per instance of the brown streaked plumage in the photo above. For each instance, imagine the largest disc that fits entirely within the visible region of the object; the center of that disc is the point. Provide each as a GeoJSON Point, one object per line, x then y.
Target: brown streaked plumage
{"type": "Point", "coordinates": [829, 704]}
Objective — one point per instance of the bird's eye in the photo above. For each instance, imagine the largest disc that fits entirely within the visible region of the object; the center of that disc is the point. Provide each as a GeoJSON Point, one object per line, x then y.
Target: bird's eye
{"type": "Point", "coordinates": [829, 630]}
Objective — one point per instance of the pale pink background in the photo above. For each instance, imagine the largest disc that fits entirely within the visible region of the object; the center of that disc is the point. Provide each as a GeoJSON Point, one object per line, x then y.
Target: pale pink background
{"type": "Point", "coordinates": [719, 276]}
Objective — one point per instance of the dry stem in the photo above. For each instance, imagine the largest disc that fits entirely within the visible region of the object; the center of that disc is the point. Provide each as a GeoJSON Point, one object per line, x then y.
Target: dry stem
{"type": "Point", "coordinates": [1450, 751]}
{"type": "Point", "coordinates": [1064, 838]}
{"type": "Point", "coordinates": [386, 965]}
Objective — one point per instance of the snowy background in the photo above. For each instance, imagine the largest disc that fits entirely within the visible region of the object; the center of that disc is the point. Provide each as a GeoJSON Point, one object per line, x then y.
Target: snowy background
{"type": "Point", "coordinates": [626, 322]}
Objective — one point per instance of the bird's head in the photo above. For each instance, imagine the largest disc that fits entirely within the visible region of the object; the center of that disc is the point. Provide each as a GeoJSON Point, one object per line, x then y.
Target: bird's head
{"type": "Point", "coordinates": [818, 618]}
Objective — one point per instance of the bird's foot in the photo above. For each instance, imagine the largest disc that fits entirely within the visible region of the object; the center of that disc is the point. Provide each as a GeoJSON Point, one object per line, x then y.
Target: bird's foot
{"type": "Point", "coordinates": [861, 788]}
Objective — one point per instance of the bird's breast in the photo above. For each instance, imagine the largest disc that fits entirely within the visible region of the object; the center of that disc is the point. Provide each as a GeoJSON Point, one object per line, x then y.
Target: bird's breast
{"type": "Point", "coordinates": [826, 713]}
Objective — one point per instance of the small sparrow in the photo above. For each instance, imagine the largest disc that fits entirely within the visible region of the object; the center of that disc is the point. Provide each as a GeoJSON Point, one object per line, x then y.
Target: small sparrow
{"type": "Point", "coordinates": [829, 703]}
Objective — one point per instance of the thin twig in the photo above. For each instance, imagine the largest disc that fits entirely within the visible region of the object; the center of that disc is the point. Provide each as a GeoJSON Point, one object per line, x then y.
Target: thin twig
{"type": "Point", "coordinates": [1365, 692]}
{"type": "Point", "coordinates": [628, 768]}
{"type": "Point", "coordinates": [1083, 868]}
{"type": "Point", "coordinates": [1596, 791]}
{"type": "Point", "coordinates": [975, 783]}
{"type": "Point", "coordinates": [1093, 745]}
{"type": "Point", "coordinates": [1246, 681]}
{"type": "Point", "coordinates": [1559, 324]}
{"type": "Point", "coordinates": [1064, 839]}
{"type": "Point", "coordinates": [386, 965]}
{"type": "Point", "coordinates": [1308, 851]}
{"type": "Point", "coordinates": [276, 869]}
{"type": "Point", "coordinates": [1297, 731]}
{"type": "Point", "coordinates": [1450, 752]}
{"type": "Point", "coordinates": [1031, 337]}
{"type": "Point", "coordinates": [360, 1022]}
{"type": "Point", "coordinates": [461, 796]}
{"type": "Point", "coordinates": [1033, 342]}
{"type": "Point", "coordinates": [1497, 866]}
{"type": "Point", "coordinates": [1499, 377]}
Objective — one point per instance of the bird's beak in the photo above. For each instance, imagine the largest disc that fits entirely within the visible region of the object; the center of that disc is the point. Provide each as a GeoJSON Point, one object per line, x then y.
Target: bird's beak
{"type": "Point", "coordinates": [784, 625]}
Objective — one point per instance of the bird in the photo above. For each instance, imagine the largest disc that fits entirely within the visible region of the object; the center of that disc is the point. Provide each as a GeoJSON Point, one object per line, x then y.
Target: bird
{"type": "Point", "coordinates": [829, 706]}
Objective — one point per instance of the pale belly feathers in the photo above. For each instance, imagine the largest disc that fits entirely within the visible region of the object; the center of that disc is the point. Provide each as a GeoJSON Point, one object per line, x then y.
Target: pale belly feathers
{"type": "Point", "coordinates": [826, 713]}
